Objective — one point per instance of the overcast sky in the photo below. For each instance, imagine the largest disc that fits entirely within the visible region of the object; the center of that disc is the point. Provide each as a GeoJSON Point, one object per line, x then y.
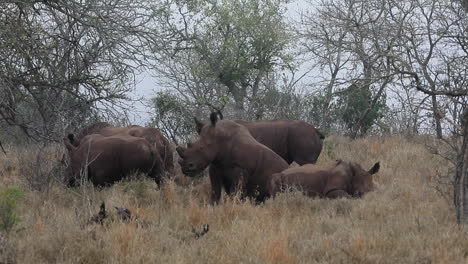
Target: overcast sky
{"type": "Point", "coordinates": [147, 86]}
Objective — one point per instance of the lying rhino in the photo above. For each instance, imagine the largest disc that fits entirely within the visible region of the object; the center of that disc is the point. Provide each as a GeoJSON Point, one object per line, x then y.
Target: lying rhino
{"type": "Point", "coordinates": [153, 135]}
{"type": "Point", "coordinates": [228, 146]}
{"type": "Point", "coordinates": [345, 179]}
{"type": "Point", "coordinates": [106, 160]}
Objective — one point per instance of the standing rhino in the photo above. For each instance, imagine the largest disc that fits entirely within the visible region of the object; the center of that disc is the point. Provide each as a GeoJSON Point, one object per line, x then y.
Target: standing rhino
{"type": "Point", "coordinates": [292, 140]}
{"type": "Point", "coordinates": [91, 129]}
{"type": "Point", "coordinates": [106, 160]}
{"type": "Point", "coordinates": [228, 146]}
{"type": "Point", "coordinates": [345, 179]}
{"type": "Point", "coordinates": [153, 135]}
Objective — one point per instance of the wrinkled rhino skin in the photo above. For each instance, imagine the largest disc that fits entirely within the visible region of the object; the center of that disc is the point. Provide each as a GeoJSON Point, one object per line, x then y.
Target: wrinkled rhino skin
{"type": "Point", "coordinates": [106, 160]}
{"type": "Point", "coordinates": [292, 140]}
{"type": "Point", "coordinates": [153, 135]}
{"type": "Point", "coordinates": [345, 179]}
{"type": "Point", "coordinates": [229, 146]}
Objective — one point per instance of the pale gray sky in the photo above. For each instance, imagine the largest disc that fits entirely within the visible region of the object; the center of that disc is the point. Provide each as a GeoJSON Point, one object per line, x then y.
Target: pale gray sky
{"type": "Point", "coordinates": [147, 85]}
{"type": "Point", "coordinates": [145, 89]}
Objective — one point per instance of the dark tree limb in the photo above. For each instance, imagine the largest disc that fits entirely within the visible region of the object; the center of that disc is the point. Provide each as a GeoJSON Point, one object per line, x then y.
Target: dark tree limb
{"type": "Point", "coordinates": [1, 146]}
{"type": "Point", "coordinates": [419, 87]}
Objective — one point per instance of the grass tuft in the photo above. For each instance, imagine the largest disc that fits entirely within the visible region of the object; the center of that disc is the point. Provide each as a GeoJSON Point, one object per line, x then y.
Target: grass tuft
{"type": "Point", "coordinates": [406, 220]}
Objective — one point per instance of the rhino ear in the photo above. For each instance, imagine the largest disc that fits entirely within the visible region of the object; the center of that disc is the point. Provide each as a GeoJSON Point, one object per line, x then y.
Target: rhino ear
{"type": "Point", "coordinates": [375, 168]}
{"type": "Point", "coordinates": [180, 150]}
{"type": "Point", "coordinates": [220, 114]}
{"type": "Point", "coordinates": [214, 118]}
{"type": "Point", "coordinates": [73, 140]}
{"type": "Point", "coordinates": [198, 124]}
{"type": "Point", "coordinates": [68, 145]}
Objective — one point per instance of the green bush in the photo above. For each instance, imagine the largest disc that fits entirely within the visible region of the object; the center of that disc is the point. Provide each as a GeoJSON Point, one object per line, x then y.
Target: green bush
{"type": "Point", "coordinates": [356, 109]}
{"type": "Point", "coordinates": [329, 147]}
{"type": "Point", "coordinates": [9, 198]}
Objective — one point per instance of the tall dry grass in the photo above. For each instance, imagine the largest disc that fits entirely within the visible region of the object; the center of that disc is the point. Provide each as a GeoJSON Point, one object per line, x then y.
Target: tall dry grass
{"type": "Point", "coordinates": [404, 221]}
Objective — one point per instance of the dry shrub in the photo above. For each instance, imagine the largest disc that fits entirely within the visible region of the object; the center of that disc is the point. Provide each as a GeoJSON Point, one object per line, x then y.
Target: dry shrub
{"type": "Point", "coordinates": [170, 196]}
{"type": "Point", "coordinates": [196, 214]}
{"type": "Point", "coordinates": [123, 238]}
{"type": "Point", "coordinates": [42, 165]}
{"type": "Point", "coordinates": [9, 168]}
{"type": "Point", "coordinates": [276, 250]}
{"type": "Point", "coordinates": [201, 190]}
{"type": "Point", "coordinates": [139, 188]}
{"type": "Point", "coordinates": [233, 209]}
{"type": "Point", "coordinates": [404, 221]}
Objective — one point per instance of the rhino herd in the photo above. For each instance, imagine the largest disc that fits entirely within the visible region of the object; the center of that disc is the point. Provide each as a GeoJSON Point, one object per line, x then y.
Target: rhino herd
{"type": "Point", "coordinates": [252, 158]}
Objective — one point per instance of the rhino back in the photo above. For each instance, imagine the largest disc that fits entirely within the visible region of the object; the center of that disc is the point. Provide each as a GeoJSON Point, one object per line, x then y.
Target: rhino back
{"type": "Point", "coordinates": [304, 143]}
{"type": "Point", "coordinates": [112, 158]}
{"type": "Point", "coordinates": [310, 181]}
{"type": "Point", "coordinates": [273, 134]}
{"type": "Point", "coordinates": [293, 140]}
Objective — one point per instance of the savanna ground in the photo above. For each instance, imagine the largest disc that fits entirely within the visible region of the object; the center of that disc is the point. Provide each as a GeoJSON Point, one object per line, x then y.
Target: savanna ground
{"type": "Point", "coordinates": [405, 221]}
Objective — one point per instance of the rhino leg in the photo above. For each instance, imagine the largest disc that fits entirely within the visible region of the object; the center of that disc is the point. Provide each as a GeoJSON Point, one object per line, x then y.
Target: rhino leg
{"type": "Point", "coordinates": [232, 180]}
{"type": "Point", "coordinates": [274, 184]}
{"type": "Point", "coordinates": [216, 182]}
{"type": "Point", "coordinates": [157, 168]}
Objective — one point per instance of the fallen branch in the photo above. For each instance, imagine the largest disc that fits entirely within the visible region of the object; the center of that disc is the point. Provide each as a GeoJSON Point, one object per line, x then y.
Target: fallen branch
{"type": "Point", "coordinates": [101, 215]}
{"type": "Point", "coordinates": [123, 213]}
{"type": "Point", "coordinates": [205, 230]}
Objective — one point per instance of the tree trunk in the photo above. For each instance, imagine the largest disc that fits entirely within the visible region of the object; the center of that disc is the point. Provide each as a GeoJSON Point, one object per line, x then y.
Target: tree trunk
{"type": "Point", "coordinates": [326, 122]}
{"type": "Point", "coordinates": [1, 147]}
{"type": "Point", "coordinates": [237, 93]}
{"type": "Point", "coordinates": [238, 104]}
{"type": "Point", "coordinates": [460, 193]}
{"type": "Point", "coordinates": [437, 117]}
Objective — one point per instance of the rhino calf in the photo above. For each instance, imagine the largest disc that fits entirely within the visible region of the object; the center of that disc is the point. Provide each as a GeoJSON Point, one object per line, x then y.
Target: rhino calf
{"type": "Point", "coordinates": [345, 179]}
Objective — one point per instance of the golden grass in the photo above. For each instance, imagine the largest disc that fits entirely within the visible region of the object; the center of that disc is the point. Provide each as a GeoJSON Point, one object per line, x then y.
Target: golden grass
{"type": "Point", "coordinates": [404, 221]}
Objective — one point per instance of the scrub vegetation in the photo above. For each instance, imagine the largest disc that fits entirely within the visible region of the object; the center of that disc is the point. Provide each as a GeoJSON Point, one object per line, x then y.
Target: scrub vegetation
{"type": "Point", "coordinates": [406, 220]}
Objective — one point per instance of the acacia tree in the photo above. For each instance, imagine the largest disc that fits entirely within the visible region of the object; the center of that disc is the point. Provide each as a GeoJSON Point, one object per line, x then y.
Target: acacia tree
{"type": "Point", "coordinates": [436, 64]}
{"type": "Point", "coordinates": [323, 39]}
{"type": "Point", "coordinates": [64, 60]}
{"type": "Point", "coordinates": [407, 114]}
{"type": "Point", "coordinates": [172, 116]}
{"type": "Point", "coordinates": [355, 100]}
{"type": "Point", "coordinates": [352, 42]}
{"type": "Point", "coordinates": [218, 53]}
{"type": "Point", "coordinates": [428, 47]}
